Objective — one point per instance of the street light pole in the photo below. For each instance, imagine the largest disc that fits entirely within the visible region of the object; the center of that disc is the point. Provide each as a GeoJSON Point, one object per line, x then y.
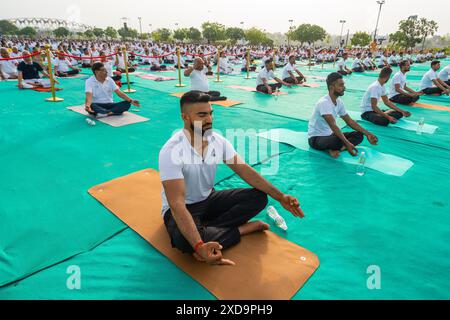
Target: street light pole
{"type": "Point", "coordinates": [289, 33]}
{"type": "Point", "coordinates": [140, 24]}
{"type": "Point", "coordinates": [342, 30]}
{"type": "Point", "coordinates": [378, 19]}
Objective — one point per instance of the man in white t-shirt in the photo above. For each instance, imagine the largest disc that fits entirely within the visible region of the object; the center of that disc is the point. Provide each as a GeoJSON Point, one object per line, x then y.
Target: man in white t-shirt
{"type": "Point", "coordinates": [358, 66]}
{"type": "Point", "coordinates": [342, 68]}
{"type": "Point", "coordinates": [288, 73]}
{"type": "Point", "coordinates": [8, 69]}
{"type": "Point", "coordinates": [99, 94]}
{"type": "Point", "coordinates": [431, 84]}
{"type": "Point", "coordinates": [120, 63]}
{"type": "Point", "coordinates": [323, 132]}
{"type": "Point", "coordinates": [383, 61]}
{"type": "Point", "coordinates": [393, 60]}
{"type": "Point", "coordinates": [199, 80]}
{"type": "Point", "coordinates": [63, 67]}
{"type": "Point", "coordinates": [370, 111]}
{"type": "Point", "coordinates": [368, 63]}
{"type": "Point", "coordinates": [399, 92]}
{"type": "Point", "coordinates": [444, 75]}
{"type": "Point", "coordinates": [224, 65]}
{"type": "Point", "coordinates": [267, 74]}
{"type": "Point", "coordinates": [200, 220]}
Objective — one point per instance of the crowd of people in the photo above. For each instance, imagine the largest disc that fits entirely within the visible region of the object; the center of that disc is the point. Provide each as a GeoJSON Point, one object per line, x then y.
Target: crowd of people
{"type": "Point", "coordinates": [200, 220]}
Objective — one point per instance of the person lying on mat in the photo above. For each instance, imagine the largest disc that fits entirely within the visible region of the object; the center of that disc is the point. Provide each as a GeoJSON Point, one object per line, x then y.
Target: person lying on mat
{"type": "Point", "coordinates": [63, 67]}
{"type": "Point", "coordinates": [29, 76]}
{"type": "Point", "coordinates": [267, 74]}
{"type": "Point", "coordinates": [199, 80]}
{"type": "Point", "coordinates": [8, 69]}
{"type": "Point", "coordinates": [399, 92]}
{"type": "Point", "coordinates": [370, 110]}
{"type": "Point", "coordinates": [431, 84]}
{"type": "Point", "coordinates": [323, 132]}
{"type": "Point", "coordinates": [443, 75]}
{"type": "Point", "coordinates": [288, 73]}
{"type": "Point", "coordinates": [99, 94]}
{"type": "Point", "coordinates": [343, 70]}
{"type": "Point", "coordinates": [200, 220]}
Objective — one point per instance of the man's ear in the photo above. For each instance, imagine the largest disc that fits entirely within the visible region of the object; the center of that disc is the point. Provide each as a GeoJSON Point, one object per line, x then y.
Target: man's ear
{"type": "Point", "coordinates": [184, 116]}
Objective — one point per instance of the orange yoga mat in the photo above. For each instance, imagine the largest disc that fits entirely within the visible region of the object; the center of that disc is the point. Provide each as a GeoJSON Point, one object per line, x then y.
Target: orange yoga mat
{"type": "Point", "coordinates": [227, 103]}
{"type": "Point", "coordinates": [268, 267]}
{"type": "Point", "coordinates": [430, 106]}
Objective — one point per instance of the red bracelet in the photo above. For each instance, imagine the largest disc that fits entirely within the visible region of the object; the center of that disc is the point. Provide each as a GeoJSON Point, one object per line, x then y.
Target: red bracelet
{"type": "Point", "coordinates": [198, 245]}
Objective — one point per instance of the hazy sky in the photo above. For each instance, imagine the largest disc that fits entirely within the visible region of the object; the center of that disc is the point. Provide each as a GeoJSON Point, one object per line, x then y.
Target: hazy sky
{"type": "Point", "coordinates": [270, 15]}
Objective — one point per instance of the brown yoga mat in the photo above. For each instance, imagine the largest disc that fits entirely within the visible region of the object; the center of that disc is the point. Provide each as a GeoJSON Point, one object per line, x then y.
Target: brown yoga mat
{"type": "Point", "coordinates": [227, 103]}
{"type": "Point", "coordinates": [250, 89]}
{"type": "Point", "coordinates": [268, 267]}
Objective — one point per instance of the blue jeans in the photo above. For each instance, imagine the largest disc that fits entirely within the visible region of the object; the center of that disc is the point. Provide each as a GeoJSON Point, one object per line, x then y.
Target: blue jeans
{"type": "Point", "coordinates": [116, 108]}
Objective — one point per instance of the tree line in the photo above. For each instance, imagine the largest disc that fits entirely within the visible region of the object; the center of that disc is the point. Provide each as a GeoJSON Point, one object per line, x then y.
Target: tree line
{"type": "Point", "coordinates": [411, 31]}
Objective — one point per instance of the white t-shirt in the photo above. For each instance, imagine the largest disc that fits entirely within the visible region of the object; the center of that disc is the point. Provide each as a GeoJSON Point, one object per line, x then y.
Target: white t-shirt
{"type": "Point", "coordinates": [341, 64]}
{"type": "Point", "coordinates": [356, 63]}
{"type": "Point", "coordinates": [62, 65]}
{"type": "Point", "coordinates": [318, 126]}
{"type": "Point", "coordinates": [179, 160]}
{"type": "Point", "coordinates": [382, 60]}
{"type": "Point", "coordinates": [367, 62]}
{"type": "Point", "coordinates": [443, 75]}
{"type": "Point", "coordinates": [375, 91]}
{"type": "Point", "coordinates": [199, 80]}
{"type": "Point", "coordinates": [399, 78]}
{"type": "Point", "coordinates": [264, 74]}
{"type": "Point", "coordinates": [101, 92]}
{"type": "Point", "coordinates": [427, 80]}
{"type": "Point", "coordinates": [8, 67]}
{"type": "Point", "coordinates": [286, 69]}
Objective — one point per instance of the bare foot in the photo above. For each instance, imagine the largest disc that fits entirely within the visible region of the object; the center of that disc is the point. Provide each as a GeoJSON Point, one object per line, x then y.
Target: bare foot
{"type": "Point", "coordinates": [334, 153]}
{"type": "Point", "coordinates": [252, 227]}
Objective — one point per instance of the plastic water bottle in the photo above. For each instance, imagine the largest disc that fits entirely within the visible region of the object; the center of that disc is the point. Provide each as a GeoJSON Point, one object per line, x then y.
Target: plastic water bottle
{"type": "Point", "coordinates": [275, 216]}
{"type": "Point", "coordinates": [361, 169]}
{"type": "Point", "coordinates": [90, 122]}
{"type": "Point", "coordinates": [420, 126]}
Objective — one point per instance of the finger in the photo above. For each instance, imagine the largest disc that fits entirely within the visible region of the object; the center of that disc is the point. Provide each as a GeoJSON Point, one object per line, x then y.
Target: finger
{"type": "Point", "coordinates": [226, 262]}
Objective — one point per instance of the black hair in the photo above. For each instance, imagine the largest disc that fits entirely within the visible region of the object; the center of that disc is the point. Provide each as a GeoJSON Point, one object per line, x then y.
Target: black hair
{"type": "Point", "coordinates": [332, 78]}
{"type": "Point", "coordinates": [385, 72]}
{"type": "Point", "coordinates": [97, 66]}
{"type": "Point", "coordinates": [403, 63]}
{"type": "Point", "coordinates": [194, 96]}
{"type": "Point", "coordinates": [435, 62]}
{"type": "Point", "coordinates": [269, 61]}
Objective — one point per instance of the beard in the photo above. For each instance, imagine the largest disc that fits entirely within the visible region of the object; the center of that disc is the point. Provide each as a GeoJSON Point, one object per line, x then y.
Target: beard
{"type": "Point", "coordinates": [339, 94]}
{"type": "Point", "coordinates": [206, 129]}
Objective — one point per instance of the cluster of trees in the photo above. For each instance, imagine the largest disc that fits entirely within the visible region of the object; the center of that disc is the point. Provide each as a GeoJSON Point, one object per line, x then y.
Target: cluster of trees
{"type": "Point", "coordinates": [307, 33]}
{"type": "Point", "coordinates": [8, 28]}
{"type": "Point", "coordinates": [413, 31]}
